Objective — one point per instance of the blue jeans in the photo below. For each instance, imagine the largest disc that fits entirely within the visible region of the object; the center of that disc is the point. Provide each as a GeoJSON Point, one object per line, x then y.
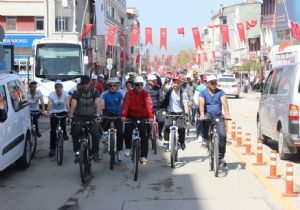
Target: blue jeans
{"type": "Point", "coordinates": [221, 130]}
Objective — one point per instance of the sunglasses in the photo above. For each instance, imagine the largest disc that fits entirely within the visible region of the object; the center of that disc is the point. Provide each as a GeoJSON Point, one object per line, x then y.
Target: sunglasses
{"type": "Point", "coordinates": [112, 85]}
{"type": "Point", "coordinates": [213, 82]}
{"type": "Point", "coordinates": [58, 86]}
{"type": "Point", "coordinates": [139, 84]}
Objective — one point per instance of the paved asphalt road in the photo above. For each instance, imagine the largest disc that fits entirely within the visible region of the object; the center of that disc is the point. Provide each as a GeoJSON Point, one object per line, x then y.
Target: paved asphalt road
{"type": "Point", "coordinates": [191, 185]}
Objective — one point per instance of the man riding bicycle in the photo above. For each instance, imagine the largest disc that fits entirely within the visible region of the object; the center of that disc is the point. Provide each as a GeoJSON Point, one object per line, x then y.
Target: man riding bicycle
{"type": "Point", "coordinates": [112, 105]}
{"type": "Point", "coordinates": [212, 100]}
{"type": "Point", "coordinates": [176, 103]}
{"type": "Point", "coordinates": [137, 104]}
{"type": "Point", "coordinates": [86, 106]}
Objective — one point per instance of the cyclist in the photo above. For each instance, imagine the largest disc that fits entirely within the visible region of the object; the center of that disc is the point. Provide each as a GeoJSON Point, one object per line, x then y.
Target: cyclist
{"type": "Point", "coordinates": [212, 100]}
{"type": "Point", "coordinates": [188, 86]}
{"type": "Point", "coordinates": [97, 85]}
{"type": "Point", "coordinates": [137, 104]}
{"type": "Point", "coordinates": [34, 97]}
{"type": "Point", "coordinates": [167, 84]}
{"type": "Point", "coordinates": [157, 96]}
{"type": "Point", "coordinates": [176, 103]}
{"type": "Point", "coordinates": [86, 106]}
{"type": "Point", "coordinates": [57, 104]}
{"type": "Point", "coordinates": [112, 105]}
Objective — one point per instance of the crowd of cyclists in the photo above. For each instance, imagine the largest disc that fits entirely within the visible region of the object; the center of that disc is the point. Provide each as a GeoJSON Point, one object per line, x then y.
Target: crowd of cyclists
{"type": "Point", "coordinates": [137, 97]}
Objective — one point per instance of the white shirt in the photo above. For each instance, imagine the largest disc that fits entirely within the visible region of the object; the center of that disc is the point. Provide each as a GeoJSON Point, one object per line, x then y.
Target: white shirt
{"type": "Point", "coordinates": [58, 103]}
{"type": "Point", "coordinates": [33, 101]}
{"type": "Point", "coordinates": [174, 104]}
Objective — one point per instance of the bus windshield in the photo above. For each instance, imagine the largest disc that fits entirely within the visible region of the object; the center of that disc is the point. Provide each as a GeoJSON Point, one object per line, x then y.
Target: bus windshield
{"type": "Point", "coordinates": [58, 61]}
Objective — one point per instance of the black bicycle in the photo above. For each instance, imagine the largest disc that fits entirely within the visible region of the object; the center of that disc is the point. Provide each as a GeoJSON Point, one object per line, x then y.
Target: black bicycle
{"type": "Point", "coordinates": [112, 139]}
{"type": "Point", "coordinates": [85, 150]}
{"type": "Point", "coordinates": [33, 114]}
{"type": "Point", "coordinates": [60, 139]}
{"type": "Point", "coordinates": [136, 145]}
{"type": "Point", "coordinates": [213, 144]}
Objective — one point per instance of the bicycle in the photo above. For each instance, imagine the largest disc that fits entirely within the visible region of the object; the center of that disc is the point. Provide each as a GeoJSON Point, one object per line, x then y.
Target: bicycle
{"type": "Point", "coordinates": [174, 144]}
{"type": "Point", "coordinates": [136, 145]}
{"type": "Point", "coordinates": [213, 144]}
{"type": "Point", "coordinates": [154, 135]}
{"type": "Point", "coordinates": [33, 114]}
{"type": "Point", "coordinates": [112, 139]}
{"type": "Point", "coordinates": [85, 151]}
{"type": "Point", "coordinates": [60, 139]}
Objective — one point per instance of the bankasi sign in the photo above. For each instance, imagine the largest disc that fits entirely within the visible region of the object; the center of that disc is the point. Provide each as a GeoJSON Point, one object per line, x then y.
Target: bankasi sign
{"type": "Point", "coordinates": [21, 40]}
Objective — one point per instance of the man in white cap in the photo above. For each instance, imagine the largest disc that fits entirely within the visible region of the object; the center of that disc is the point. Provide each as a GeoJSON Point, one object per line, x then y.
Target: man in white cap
{"type": "Point", "coordinates": [97, 85]}
{"type": "Point", "coordinates": [212, 100]}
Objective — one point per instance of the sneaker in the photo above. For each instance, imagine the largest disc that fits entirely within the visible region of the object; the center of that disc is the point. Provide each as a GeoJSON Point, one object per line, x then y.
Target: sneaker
{"type": "Point", "coordinates": [200, 139]}
{"type": "Point", "coordinates": [96, 157]}
{"type": "Point", "coordinates": [38, 134]}
{"type": "Point", "coordinates": [76, 160]}
{"type": "Point", "coordinates": [166, 145]}
{"type": "Point", "coordinates": [119, 156]}
{"type": "Point", "coordinates": [66, 137]}
{"type": "Point", "coordinates": [182, 146]}
{"type": "Point", "coordinates": [127, 152]}
{"type": "Point", "coordinates": [51, 153]}
{"type": "Point", "coordinates": [143, 160]}
{"type": "Point", "coordinates": [204, 144]}
{"type": "Point", "coordinates": [104, 138]}
{"type": "Point", "coordinates": [222, 162]}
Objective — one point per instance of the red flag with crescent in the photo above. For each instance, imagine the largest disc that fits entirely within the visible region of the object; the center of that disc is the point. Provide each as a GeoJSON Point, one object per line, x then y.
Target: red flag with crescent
{"type": "Point", "coordinates": [194, 58]}
{"type": "Point", "coordinates": [162, 58]}
{"type": "Point", "coordinates": [111, 36]}
{"type": "Point", "coordinates": [134, 36]}
{"type": "Point", "coordinates": [163, 38]}
{"type": "Point", "coordinates": [178, 59]}
{"type": "Point", "coordinates": [156, 59]}
{"type": "Point", "coordinates": [197, 38]}
{"type": "Point", "coordinates": [251, 24]}
{"type": "Point", "coordinates": [199, 59]}
{"type": "Point", "coordinates": [170, 58]}
{"type": "Point", "coordinates": [241, 31]}
{"type": "Point", "coordinates": [148, 35]}
{"type": "Point", "coordinates": [225, 34]}
{"type": "Point", "coordinates": [88, 28]}
{"type": "Point", "coordinates": [180, 30]}
{"type": "Point", "coordinates": [205, 56]}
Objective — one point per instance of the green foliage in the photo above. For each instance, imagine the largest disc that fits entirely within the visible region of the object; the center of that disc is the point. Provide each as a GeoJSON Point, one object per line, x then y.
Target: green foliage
{"type": "Point", "coordinates": [251, 65]}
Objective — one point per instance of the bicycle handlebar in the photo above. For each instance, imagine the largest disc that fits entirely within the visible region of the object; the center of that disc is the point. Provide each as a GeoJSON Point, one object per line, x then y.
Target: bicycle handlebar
{"type": "Point", "coordinates": [58, 116]}
{"type": "Point", "coordinates": [136, 121]}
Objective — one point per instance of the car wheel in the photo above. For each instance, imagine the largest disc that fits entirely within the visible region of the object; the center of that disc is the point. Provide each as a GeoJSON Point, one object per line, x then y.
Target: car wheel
{"type": "Point", "coordinates": [25, 160]}
{"type": "Point", "coordinates": [282, 146]}
{"type": "Point", "coordinates": [237, 96]}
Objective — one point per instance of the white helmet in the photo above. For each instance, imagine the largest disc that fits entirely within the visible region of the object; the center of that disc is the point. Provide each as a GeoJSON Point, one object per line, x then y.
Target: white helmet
{"type": "Point", "coordinates": [211, 78]}
{"type": "Point", "coordinates": [151, 77]}
{"type": "Point", "coordinates": [138, 79]}
{"type": "Point", "coordinates": [112, 80]}
{"type": "Point", "coordinates": [188, 76]}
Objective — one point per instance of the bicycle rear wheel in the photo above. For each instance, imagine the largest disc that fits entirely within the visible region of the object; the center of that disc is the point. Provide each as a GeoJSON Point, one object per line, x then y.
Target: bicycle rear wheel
{"type": "Point", "coordinates": [112, 149]}
{"type": "Point", "coordinates": [154, 136]}
{"type": "Point", "coordinates": [211, 154]}
{"type": "Point", "coordinates": [135, 162]}
{"type": "Point", "coordinates": [216, 154]}
{"type": "Point", "coordinates": [60, 149]}
{"type": "Point", "coordinates": [33, 143]}
{"type": "Point", "coordinates": [89, 156]}
{"type": "Point", "coordinates": [173, 148]}
{"type": "Point", "coordinates": [83, 161]}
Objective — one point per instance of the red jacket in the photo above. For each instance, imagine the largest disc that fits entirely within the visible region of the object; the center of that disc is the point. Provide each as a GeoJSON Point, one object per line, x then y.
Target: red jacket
{"type": "Point", "coordinates": [137, 104]}
{"type": "Point", "coordinates": [99, 87]}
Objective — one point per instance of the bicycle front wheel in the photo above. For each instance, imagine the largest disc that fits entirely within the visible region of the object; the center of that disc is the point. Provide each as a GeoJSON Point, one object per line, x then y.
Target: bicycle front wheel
{"type": "Point", "coordinates": [211, 154]}
{"type": "Point", "coordinates": [33, 143]}
{"type": "Point", "coordinates": [154, 137]}
{"type": "Point", "coordinates": [60, 149]}
{"type": "Point", "coordinates": [173, 148]}
{"type": "Point", "coordinates": [112, 140]}
{"type": "Point", "coordinates": [83, 162]}
{"type": "Point", "coordinates": [216, 154]}
{"type": "Point", "coordinates": [136, 157]}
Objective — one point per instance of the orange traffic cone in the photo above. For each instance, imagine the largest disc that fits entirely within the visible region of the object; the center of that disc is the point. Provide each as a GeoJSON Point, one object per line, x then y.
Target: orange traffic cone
{"type": "Point", "coordinates": [273, 169]}
{"type": "Point", "coordinates": [248, 145]}
{"type": "Point", "coordinates": [239, 137]}
{"type": "Point", "coordinates": [259, 154]}
{"type": "Point", "coordinates": [233, 131]}
{"type": "Point", "coordinates": [289, 192]}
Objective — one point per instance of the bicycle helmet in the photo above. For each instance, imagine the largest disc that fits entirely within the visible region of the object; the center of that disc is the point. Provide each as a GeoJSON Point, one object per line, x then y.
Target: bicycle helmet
{"type": "Point", "coordinates": [177, 77]}
{"type": "Point", "coordinates": [138, 79]}
{"type": "Point", "coordinates": [151, 77]}
{"type": "Point", "coordinates": [112, 80]}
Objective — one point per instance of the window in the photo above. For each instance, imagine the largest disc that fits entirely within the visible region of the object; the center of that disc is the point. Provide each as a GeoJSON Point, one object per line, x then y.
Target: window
{"type": "Point", "coordinates": [17, 95]}
{"type": "Point", "coordinates": [61, 24]}
{"type": "Point", "coordinates": [64, 15]}
{"type": "Point", "coordinates": [3, 98]}
{"type": "Point", "coordinates": [39, 23]}
{"type": "Point", "coordinates": [286, 81]}
{"type": "Point", "coordinates": [268, 83]}
{"type": "Point", "coordinates": [275, 82]}
{"type": "Point", "coordinates": [11, 23]}
{"type": "Point", "coordinates": [113, 12]}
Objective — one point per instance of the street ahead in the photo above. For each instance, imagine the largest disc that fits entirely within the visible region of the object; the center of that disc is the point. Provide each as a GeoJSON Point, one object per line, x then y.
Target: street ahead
{"type": "Point", "coordinates": [191, 185]}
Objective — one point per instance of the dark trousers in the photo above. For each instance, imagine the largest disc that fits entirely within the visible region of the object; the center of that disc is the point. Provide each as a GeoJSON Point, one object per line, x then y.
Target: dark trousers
{"type": "Point", "coordinates": [93, 130]}
{"type": "Point", "coordinates": [143, 135]}
{"type": "Point", "coordinates": [221, 130]}
{"type": "Point", "coordinates": [180, 126]}
{"type": "Point", "coordinates": [35, 116]}
{"type": "Point", "coordinates": [119, 127]}
{"type": "Point", "coordinates": [53, 125]}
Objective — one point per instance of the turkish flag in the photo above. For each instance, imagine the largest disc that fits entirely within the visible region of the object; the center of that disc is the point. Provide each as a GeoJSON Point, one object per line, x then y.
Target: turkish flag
{"type": "Point", "coordinates": [178, 59]}
{"type": "Point", "coordinates": [225, 34]}
{"type": "Point", "coordinates": [162, 58]}
{"type": "Point", "coordinates": [163, 38]}
{"type": "Point", "coordinates": [241, 31]}
{"type": "Point", "coordinates": [214, 56]}
{"type": "Point", "coordinates": [148, 35]}
{"type": "Point", "coordinates": [134, 36]}
{"type": "Point", "coordinates": [251, 24]}
{"type": "Point", "coordinates": [187, 56]}
{"type": "Point", "coordinates": [137, 60]}
{"type": "Point", "coordinates": [156, 59]}
{"type": "Point", "coordinates": [205, 56]}
{"type": "Point", "coordinates": [197, 38]}
{"type": "Point", "coordinates": [111, 36]}
{"type": "Point", "coordinates": [149, 59]}
{"type": "Point", "coordinates": [170, 58]}
{"type": "Point", "coordinates": [180, 30]}
{"type": "Point", "coordinates": [194, 58]}
{"type": "Point", "coordinates": [199, 59]}
{"type": "Point", "coordinates": [88, 28]}
{"type": "Point", "coordinates": [295, 30]}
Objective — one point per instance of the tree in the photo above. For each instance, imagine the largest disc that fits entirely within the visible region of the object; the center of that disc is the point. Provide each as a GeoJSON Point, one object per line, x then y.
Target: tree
{"type": "Point", "coordinates": [251, 65]}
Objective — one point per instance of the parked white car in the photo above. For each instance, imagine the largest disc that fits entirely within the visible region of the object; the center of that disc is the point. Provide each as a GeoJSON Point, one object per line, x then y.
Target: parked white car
{"type": "Point", "coordinates": [15, 142]}
{"type": "Point", "coordinates": [229, 85]}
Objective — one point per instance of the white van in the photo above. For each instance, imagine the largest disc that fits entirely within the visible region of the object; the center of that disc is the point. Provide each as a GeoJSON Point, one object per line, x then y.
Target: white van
{"type": "Point", "coordinates": [278, 113]}
{"type": "Point", "coordinates": [15, 124]}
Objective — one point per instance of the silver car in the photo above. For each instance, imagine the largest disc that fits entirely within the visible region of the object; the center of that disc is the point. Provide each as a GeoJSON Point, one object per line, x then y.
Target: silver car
{"type": "Point", "coordinates": [278, 114]}
{"type": "Point", "coordinates": [229, 85]}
